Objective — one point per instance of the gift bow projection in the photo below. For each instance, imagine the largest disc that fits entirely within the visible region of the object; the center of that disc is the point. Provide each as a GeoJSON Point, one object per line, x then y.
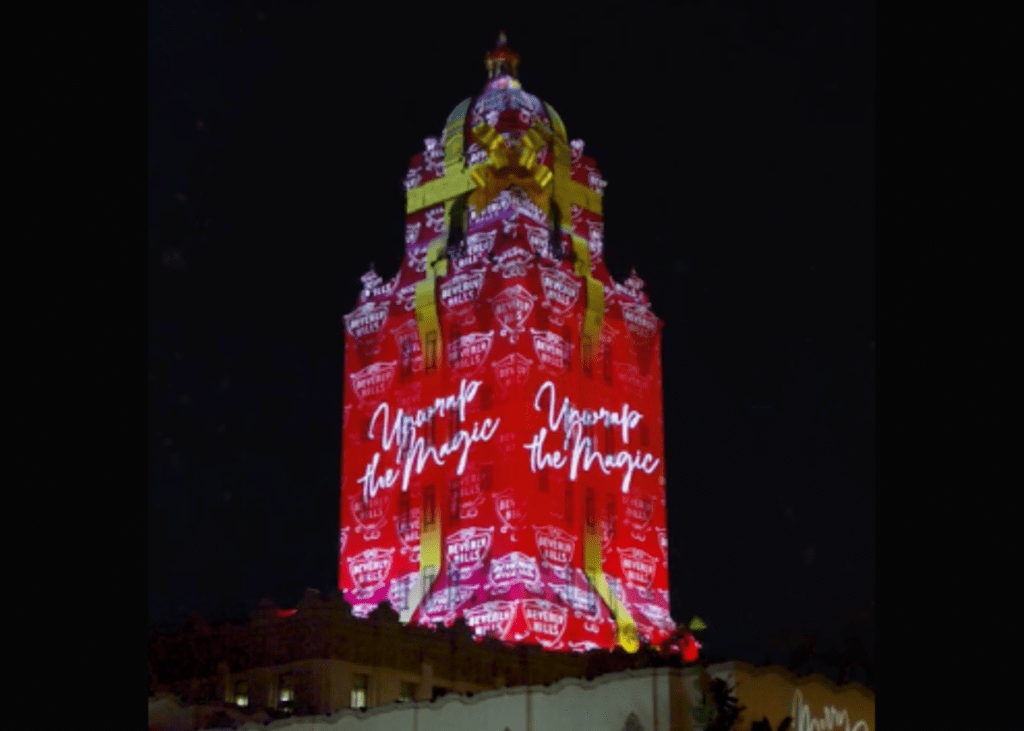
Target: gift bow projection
{"type": "Point", "coordinates": [502, 441]}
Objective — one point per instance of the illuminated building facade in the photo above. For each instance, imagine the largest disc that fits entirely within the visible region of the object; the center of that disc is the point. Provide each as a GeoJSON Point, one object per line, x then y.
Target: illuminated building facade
{"type": "Point", "coordinates": [317, 666]}
{"type": "Point", "coordinates": [502, 456]}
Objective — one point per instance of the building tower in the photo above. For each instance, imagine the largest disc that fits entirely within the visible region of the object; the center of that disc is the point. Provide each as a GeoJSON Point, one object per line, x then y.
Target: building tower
{"type": "Point", "coordinates": [502, 456]}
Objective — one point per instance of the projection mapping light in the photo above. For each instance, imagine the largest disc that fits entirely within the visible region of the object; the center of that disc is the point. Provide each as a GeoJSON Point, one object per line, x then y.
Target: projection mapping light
{"type": "Point", "coordinates": [502, 444]}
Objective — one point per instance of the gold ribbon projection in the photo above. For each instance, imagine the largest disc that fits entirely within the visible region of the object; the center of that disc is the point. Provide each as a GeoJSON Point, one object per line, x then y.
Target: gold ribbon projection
{"type": "Point", "coordinates": [593, 321]}
{"type": "Point", "coordinates": [485, 180]}
{"type": "Point", "coordinates": [508, 166]}
{"type": "Point", "coordinates": [430, 341]}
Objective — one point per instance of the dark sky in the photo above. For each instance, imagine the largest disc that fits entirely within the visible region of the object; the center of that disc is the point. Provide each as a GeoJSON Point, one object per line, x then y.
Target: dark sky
{"type": "Point", "coordinates": [739, 145]}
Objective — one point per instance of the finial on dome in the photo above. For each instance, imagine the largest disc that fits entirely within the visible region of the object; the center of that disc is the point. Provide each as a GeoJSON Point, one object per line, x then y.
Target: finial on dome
{"type": "Point", "coordinates": [502, 61]}
{"type": "Point", "coordinates": [634, 283]}
{"type": "Point", "coordinates": [371, 281]}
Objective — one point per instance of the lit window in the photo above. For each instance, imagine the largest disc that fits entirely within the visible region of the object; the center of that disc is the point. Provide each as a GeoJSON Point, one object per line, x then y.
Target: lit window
{"type": "Point", "coordinates": [453, 500]}
{"type": "Point", "coordinates": [430, 354]}
{"type": "Point", "coordinates": [428, 505]}
{"type": "Point", "coordinates": [408, 692]}
{"type": "Point", "coordinates": [286, 693]}
{"type": "Point", "coordinates": [359, 685]}
{"type": "Point", "coordinates": [241, 694]}
{"type": "Point", "coordinates": [406, 370]}
{"type": "Point", "coordinates": [403, 512]}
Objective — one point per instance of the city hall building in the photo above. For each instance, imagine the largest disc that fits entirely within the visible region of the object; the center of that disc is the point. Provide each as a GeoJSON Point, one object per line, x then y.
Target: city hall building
{"type": "Point", "coordinates": [503, 550]}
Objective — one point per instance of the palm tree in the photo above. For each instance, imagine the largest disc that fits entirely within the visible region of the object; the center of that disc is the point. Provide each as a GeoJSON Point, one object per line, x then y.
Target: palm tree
{"type": "Point", "coordinates": [720, 710]}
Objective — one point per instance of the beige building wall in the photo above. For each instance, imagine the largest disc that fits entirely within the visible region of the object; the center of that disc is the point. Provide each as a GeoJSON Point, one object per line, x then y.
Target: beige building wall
{"type": "Point", "coordinates": [638, 700]}
{"type": "Point", "coordinates": [814, 702]}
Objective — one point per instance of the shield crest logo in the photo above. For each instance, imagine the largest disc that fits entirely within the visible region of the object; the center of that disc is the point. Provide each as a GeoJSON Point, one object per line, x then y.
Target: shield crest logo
{"type": "Point", "coordinates": [639, 509]}
{"type": "Point", "coordinates": [538, 236]}
{"type": "Point", "coordinates": [561, 290]}
{"type": "Point", "coordinates": [364, 323]}
{"type": "Point", "coordinates": [372, 383]}
{"type": "Point", "coordinates": [491, 618]}
{"type": "Point", "coordinates": [371, 284]}
{"type": "Point", "coordinates": [406, 297]}
{"type": "Point", "coordinates": [556, 548]}
{"type": "Point", "coordinates": [408, 531]}
{"type": "Point", "coordinates": [580, 596]}
{"type": "Point", "coordinates": [441, 606]}
{"type": "Point", "coordinates": [546, 620]}
{"type": "Point", "coordinates": [467, 353]}
{"type": "Point", "coordinates": [471, 494]}
{"type": "Point", "coordinates": [639, 319]}
{"type": "Point", "coordinates": [638, 568]}
{"type": "Point", "coordinates": [509, 512]}
{"type": "Point", "coordinates": [467, 549]}
{"type": "Point", "coordinates": [459, 293]}
{"type": "Point", "coordinates": [475, 248]}
{"type": "Point", "coordinates": [370, 569]}
{"type": "Point", "coordinates": [416, 257]}
{"type": "Point", "coordinates": [553, 351]}
{"type": "Point", "coordinates": [513, 263]}
{"type": "Point", "coordinates": [370, 515]}
{"type": "Point", "coordinates": [399, 589]}
{"type": "Point", "coordinates": [410, 349]}
{"type": "Point", "coordinates": [512, 370]}
{"type": "Point", "coordinates": [514, 568]}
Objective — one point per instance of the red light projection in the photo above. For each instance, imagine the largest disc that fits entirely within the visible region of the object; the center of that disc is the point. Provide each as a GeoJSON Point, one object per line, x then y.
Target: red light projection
{"type": "Point", "coordinates": [502, 456]}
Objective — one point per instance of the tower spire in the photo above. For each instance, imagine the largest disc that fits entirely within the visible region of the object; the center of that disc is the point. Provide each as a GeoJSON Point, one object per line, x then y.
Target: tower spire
{"type": "Point", "coordinates": [502, 61]}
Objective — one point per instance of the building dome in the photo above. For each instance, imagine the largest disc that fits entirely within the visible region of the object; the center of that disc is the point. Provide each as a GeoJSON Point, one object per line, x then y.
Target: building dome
{"type": "Point", "coordinates": [503, 104]}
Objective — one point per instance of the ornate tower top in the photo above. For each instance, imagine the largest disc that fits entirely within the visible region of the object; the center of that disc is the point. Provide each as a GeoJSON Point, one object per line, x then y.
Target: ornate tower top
{"type": "Point", "coordinates": [502, 61]}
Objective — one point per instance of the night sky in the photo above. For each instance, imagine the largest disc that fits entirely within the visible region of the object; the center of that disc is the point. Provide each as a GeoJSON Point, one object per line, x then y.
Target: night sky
{"type": "Point", "coordinates": [738, 141]}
